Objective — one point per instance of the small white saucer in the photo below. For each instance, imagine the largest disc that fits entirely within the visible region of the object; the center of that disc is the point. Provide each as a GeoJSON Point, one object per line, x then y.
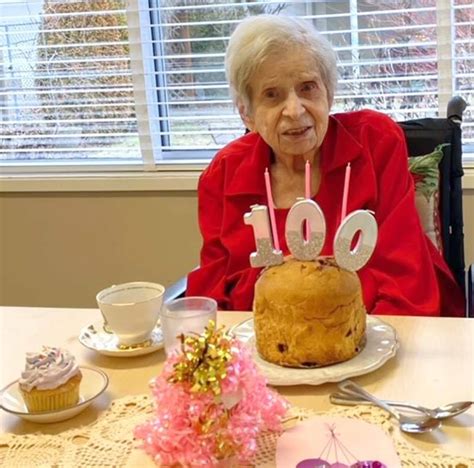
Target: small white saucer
{"type": "Point", "coordinates": [93, 384]}
{"type": "Point", "coordinates": [98, 339]}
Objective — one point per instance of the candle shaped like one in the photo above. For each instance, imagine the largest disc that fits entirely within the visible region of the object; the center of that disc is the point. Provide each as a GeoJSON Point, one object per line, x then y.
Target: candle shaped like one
{"type": "Point", "coordinates": [265, 255]}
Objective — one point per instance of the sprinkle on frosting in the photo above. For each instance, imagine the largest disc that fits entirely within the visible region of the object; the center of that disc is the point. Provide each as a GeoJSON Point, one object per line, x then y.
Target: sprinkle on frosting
{"type": "Point", "coordinates": [48, 369]}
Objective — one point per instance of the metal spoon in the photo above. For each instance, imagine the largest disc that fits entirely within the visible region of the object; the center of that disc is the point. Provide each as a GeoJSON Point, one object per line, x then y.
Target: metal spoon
{"type": "Point", "coordinates": [413, 425]}
{"type": "Point", "coordinates": [441, 412]}
{"type": "Point", "coordinates": [451, 409]}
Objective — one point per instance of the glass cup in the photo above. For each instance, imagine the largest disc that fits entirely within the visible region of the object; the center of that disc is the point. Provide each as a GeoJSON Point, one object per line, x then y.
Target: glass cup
{"type": "Point", "coordinates": [186, 315]}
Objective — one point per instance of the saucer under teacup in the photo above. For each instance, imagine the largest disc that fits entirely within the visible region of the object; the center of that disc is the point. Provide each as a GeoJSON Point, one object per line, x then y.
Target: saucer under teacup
{"type": "Point", "coordinates": [93, 383]}
{"type": "Point", "coordinates": [100, 339]}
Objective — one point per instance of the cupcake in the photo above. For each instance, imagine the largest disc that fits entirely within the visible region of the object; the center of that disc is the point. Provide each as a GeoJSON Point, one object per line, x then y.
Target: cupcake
{"type": "Point", "coordinates": [50, 381]}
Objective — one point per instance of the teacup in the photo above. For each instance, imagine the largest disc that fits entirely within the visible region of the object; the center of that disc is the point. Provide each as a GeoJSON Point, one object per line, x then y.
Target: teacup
{"type": "Point", "coordinates": [131, 310]}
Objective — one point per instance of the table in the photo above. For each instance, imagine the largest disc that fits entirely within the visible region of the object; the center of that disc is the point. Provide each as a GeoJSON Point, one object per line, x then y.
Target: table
{"type": "Point", "coordinates": [435, 364]}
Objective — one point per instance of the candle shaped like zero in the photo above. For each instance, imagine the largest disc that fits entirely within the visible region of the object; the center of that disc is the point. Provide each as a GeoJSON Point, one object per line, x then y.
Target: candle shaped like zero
{"type": "Point", "coordinates": [364, 223]}
{"type": "Point", "coordinates": [265, 255]}
{"type": "Point", "coordinates": [305, 212]}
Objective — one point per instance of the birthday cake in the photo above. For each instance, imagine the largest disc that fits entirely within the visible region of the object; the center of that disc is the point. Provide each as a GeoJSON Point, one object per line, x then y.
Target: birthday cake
{"type": "Point", "coordinates": [308, 313]}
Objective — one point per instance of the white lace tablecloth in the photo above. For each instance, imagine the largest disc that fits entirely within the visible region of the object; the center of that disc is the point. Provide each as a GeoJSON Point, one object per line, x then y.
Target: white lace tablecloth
{"type": "Point", "coordinates": [109, 440]}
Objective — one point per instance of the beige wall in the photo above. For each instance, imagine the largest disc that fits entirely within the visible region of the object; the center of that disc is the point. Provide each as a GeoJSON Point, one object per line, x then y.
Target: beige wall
{"type": "Point", "coordinates": [59, 249]}
{"type": "Point", "coordinates": [468, 209]}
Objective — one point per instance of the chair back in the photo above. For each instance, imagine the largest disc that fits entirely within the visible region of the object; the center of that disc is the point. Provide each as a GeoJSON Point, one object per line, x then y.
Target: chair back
{"type": "Point", "coordinates": [422, 136]}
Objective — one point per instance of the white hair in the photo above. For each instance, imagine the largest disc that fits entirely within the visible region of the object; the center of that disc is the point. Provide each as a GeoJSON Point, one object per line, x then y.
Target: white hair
{"type": "Point", "coordinates": [258, 37]}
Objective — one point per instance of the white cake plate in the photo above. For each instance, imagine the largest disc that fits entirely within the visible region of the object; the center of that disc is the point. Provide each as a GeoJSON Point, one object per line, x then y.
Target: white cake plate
{"type": "Point", "coordinates": [381, 345]}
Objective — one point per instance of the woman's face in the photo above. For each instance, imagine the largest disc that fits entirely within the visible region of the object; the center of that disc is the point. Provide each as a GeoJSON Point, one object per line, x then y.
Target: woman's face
{"type": "Point", "coordinates": [289, 104]}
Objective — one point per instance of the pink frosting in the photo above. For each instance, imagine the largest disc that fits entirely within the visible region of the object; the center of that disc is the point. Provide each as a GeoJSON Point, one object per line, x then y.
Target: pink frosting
{"type": "Point", "coordinates": [48, 369]}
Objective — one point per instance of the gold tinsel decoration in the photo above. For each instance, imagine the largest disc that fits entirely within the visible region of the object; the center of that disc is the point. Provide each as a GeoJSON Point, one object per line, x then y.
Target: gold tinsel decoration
{"type": "Point", "coordinates": [204, 360]}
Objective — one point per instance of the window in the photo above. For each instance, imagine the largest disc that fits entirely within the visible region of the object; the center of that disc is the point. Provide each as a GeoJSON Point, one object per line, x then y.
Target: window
{"type": "Point", "coordinates": [141, 84]}
{"type": "Point", "coordinates": [462, 19]}
{"type": "Point", "coordinates": [66, 87]}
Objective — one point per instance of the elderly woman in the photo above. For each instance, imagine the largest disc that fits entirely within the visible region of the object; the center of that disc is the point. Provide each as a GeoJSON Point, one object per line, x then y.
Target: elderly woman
{"type": "Point", "coordinates": [282, 74]}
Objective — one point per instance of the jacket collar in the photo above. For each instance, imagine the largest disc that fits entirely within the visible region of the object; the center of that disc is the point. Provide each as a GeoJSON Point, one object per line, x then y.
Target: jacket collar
{"type": "Point", "coordinates": [339, 147]}
{"type": "Point", "coordinates": [248, 178]}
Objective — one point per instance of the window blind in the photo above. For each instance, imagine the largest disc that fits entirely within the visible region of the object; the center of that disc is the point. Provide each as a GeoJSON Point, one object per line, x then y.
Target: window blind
{"type": "Point", "coordinates": [66, 91]}
{"type": "Point", "coordinates": [141, 82]}
{"type": "Point", "coordinates": [387, 60]}
{"type": "Point", "coordinates": [463, 69]}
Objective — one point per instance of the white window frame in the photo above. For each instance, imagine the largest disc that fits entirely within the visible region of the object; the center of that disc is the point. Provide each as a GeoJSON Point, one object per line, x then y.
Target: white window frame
{"type": "Point", "coordinates": [143, 72]}
{"type": "Point", "coordinates": [153, 173]}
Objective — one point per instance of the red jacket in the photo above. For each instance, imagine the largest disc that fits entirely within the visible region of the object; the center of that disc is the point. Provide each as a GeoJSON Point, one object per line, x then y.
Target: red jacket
{"type": "Point", "coordinates": [405, 275]}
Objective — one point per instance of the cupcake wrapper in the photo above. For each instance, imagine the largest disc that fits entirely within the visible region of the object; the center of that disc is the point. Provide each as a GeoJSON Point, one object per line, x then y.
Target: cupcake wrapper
{"type": "Point", "coordinates": [63, 397]}
{"type": "Point", "coordinates": [50, 402]}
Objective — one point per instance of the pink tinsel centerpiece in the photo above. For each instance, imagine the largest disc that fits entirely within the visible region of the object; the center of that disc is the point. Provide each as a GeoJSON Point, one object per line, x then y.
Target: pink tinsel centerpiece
{"type": "Point", "coordinates": [211, 403]}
